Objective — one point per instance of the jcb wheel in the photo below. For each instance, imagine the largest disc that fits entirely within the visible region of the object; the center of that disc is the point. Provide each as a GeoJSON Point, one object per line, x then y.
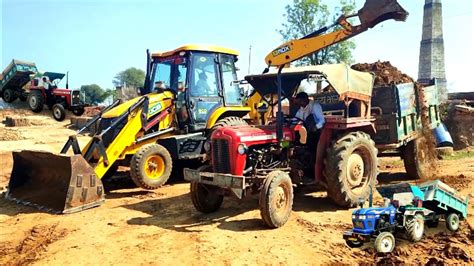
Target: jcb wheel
{"type": "Point", "coordinates": [385, 242]}
{"type": "Point", "coordinates": [415, 227]}
{"type": "Point", "coordinates": [151, 166]}
{"type": "Point", "coordinates": [452, 222]}
{"type": "Point", "coordinates": [9, 95]}
{"type": "Point", "coordinates": [206, 198]}
{"type": "Point", "coordinates": [59, 113]}
{"type": "Point", "coordinates": [351, 168]}
{"type": "Point", "coordinates": [229, 122]}
{"type": "Point", "coordinates": [36, 101]}
{"type": "Point", "coordinates": [276, 199]}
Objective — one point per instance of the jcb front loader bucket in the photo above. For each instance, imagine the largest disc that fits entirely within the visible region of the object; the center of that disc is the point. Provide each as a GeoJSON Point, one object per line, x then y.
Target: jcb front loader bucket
{"type": "Point", "coordinates": [55, 183]}
{"type": "Point", "coordinates": [376, 11]}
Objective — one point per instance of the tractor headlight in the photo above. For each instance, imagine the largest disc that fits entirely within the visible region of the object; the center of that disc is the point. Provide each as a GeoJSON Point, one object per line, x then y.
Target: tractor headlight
{"type": "Point", "coordinates": [354, 217]}
{"type": "Point", "coordinates": [207, 146]}
{"type": "Point", "coordinates": [242, 149]}
{"type": "Point", "coordinates": [362, 217]}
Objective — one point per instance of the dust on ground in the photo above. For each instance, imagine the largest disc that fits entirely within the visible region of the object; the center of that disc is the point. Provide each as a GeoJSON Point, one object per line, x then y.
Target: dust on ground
{"type": "Point", "coordinates": [134, 226]}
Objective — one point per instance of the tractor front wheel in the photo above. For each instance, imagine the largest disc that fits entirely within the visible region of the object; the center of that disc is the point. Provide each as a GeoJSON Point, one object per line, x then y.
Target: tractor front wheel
{"type": "Point", "coordinates": [351, 168]}
{"type": "Point", "coordinates": [151, 166]}
{"type": "Point", "coordinates": [385, 242]}
{"type": "Point", "coordinates": [276, 199]}
{"type": "Point", "coordinates": [354, 244]}
{"type": "Point", "coordinates": [59, 113]}
{"type": "Point", "coordinates": [79, 111]}
{"type": "Point", "coordinates": [36, 101]}
{"type": "Point", "coordinates": [205, 198]}
{"type": "Point", "coordinates": [9, 95]}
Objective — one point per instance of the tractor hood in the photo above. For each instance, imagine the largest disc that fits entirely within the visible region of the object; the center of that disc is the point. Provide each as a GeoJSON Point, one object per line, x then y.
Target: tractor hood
{"type": "Point", "coordinates": [345, 81]}
{"type": "Point", "coordinates": [252, 135]}
{"type": "Point", "coordinates": [54, 76]}
{"type": "Point", "coordinates": [374, 211]}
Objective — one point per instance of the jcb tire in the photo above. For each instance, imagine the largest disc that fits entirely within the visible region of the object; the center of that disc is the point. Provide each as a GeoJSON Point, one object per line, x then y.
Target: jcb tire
{"type": "Point", "coordinates": [229, 122]}
{"type": "Point", "coordinates": [351, 168]}
{"type": "Point", "coordinates": [36, 101]}
{"type": "Point", "coordinates": [385, 242]}
{"type": "Point", "coordinates": [452, 222]}
{"type": "Point", "coordinates": [59, 112]}
{"type": "Point", "coordinates": [415, 227]}
{"type": "Point", "coordinates": [205, 198]}
{"type": "Point", "coordinates": [276, 199]}
{"type": "Point", "coordinates": [151, 166]}
{"type": "Point", "coordinates": [9, 95]}
{"type": "Point", "coordinates": [414, 160]}
{"type": "Point", "coordinates": [79, 111]}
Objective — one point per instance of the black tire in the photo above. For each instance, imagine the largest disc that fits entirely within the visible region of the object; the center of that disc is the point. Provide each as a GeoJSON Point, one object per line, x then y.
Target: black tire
{"type": "Point", "coordinates": [414, 159]}
{"type": "Point", "coordinates": [385, 242]}
{"type": "Point", "coordinates": [354, 244]}
{"type": "Point", "coordinates": [228, 122]}
{"type": "Point", "coordinates": [205, 198]}
{"type": "Point", "coordinates": [59, 112]}
{"type": "Point", "coordinates": [452, 222]}
{"type": "Point", "coordinates": [9, 95]}
{"type": "Point", "coordinates": [36, 101]}
{"type": "Point", "coordinates": [79, 111]}
{"type": "Point", "coordinates": [151, 166]}
{"type": "Point", "coordinates": [355, 150]}
{"type": "Point", "coordinates": [415, 227]}
{"type": "Point", "coordinates": [276, 199]}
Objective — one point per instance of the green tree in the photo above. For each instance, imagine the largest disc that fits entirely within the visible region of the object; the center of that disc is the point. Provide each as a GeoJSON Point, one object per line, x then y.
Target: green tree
{"type": "Point", "coordinates": [130, 77]}
{"type": "Point", "coordinates": [94, 94]}
{"type": "Point", "coordinates": [304, 17]}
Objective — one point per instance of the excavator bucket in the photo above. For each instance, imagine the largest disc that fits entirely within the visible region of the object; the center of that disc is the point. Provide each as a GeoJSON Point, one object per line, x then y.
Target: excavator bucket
{"type": "Point", "coordinates": [375, 11]}
{"type": "Point", "coordinates": [55, 183]}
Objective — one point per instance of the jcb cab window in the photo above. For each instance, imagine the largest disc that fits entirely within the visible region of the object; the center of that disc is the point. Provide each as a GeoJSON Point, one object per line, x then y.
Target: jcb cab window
{"type": "Point", "coordinates": [171, 72]}
{"type": "Point", "coordinates": [204, 83]}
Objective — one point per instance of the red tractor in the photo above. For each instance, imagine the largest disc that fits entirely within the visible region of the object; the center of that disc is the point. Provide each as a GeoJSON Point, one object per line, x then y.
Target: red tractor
{"type": "Point", "coordinates": [45, 91]}
{"type": "Point", "coordinates": [273, 158]}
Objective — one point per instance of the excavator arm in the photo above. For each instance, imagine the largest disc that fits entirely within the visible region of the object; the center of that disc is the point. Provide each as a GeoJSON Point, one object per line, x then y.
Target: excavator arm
{"type": "Point", "coordinates": [373, 12]}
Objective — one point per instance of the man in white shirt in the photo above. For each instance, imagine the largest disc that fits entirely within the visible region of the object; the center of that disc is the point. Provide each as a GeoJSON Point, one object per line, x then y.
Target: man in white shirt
{"type": "Point", "coordinates": [311, 114]}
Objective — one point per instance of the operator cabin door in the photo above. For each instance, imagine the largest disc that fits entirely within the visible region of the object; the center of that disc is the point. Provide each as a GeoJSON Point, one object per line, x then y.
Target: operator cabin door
{"type": "Point", "coordinates": [204, 88]}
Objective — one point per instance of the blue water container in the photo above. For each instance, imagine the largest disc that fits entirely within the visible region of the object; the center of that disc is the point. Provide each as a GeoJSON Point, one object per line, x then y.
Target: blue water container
{"type": "Point", "coordinates": [443, 138]}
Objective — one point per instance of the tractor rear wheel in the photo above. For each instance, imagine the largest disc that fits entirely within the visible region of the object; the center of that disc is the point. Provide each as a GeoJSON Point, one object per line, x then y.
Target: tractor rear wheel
{"type": "Point", "coordinates": [9, 95]}
{"type": "Point", "coordinates": [36, 101]}
{"type": "Point", "coordinates": [385, 242]}
{"type": "Point", "coordinates": [276, 199]}
{"type": "Point", "coordinates": [415, 226]}
{"type": "Point", "coordinates": [452, 222]}
{"type": "Point", "coordinates": [59, 113]}
{"type": "Point", "coordinates": [351, 168]}
{"type": "Point", "coordinates": [151, 166]}
{"type": "Point", "coordinates": [205, 198]}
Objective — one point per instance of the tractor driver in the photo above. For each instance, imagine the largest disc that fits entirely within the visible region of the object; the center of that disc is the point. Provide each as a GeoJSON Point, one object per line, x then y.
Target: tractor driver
{"type": "Point", "coordinates": [159, 86]}
{"type": "Point", "coordinates": [311, 114]}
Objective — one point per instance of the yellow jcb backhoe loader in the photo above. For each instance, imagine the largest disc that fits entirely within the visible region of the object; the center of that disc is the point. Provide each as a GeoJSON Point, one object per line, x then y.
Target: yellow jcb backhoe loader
{"type": "Point", "coordinates": [188, 92]}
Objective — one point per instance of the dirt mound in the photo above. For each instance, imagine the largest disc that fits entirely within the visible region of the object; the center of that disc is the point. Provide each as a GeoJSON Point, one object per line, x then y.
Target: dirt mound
{"type": "Point", "coordinates": [32, 246]}
{"type": "Point", "coordinates": [92, 110]}
{"type": "Point", "coordinates": [10, 134]}
{"type": "Point", "coordinates": [385, 73]}
{"type": "Point", "coordinates": [14, 121]}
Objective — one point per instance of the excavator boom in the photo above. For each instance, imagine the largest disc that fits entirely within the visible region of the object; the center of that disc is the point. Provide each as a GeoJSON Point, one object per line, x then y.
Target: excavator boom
{"type": "Point", "coordinates": [372, 13]}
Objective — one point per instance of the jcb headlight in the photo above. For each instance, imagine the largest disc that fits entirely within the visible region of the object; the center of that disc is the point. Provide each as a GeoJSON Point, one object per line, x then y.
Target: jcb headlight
{"type": "Point", "coordinates": [242, 149]}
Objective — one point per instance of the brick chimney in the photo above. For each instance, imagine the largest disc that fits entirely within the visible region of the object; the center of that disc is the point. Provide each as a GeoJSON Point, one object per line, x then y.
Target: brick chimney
{"type": "Point", "coordinates": [431, 63]}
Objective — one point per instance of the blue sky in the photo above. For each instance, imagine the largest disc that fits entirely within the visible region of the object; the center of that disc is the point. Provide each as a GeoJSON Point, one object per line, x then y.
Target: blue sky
{"type": "Point", "coordinates": [94, 40]}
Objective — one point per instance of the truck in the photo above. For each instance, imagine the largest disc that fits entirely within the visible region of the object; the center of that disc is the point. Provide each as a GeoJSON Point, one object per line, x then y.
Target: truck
{"type": "Point", "coordinates": [16, 75]}
{"type": "Point", "coordinates": [408, 208]}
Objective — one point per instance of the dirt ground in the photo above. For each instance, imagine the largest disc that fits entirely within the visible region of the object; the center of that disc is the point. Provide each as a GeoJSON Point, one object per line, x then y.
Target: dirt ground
{"type": "Point", "coordinates": [162, 227]}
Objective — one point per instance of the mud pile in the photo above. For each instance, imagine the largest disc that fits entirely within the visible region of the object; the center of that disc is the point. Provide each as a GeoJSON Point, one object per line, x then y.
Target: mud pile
{"type": "Point", "coordinates": [385, 73]}
{"type": "Point", "coordinates": [32, 246]}
{"type": "Point", "coordinates": [10, 134]}
{"type": "Point", "coordinates": [92, 110]}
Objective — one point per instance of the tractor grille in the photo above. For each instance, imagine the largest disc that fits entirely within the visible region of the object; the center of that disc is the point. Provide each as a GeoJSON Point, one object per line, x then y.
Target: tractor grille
{"type": "Point", "coordinates": [220, 156]}
{"type": "Point", "coordinates": [76, 97]}
{"type": "Point", "coordinates": [359, 224]}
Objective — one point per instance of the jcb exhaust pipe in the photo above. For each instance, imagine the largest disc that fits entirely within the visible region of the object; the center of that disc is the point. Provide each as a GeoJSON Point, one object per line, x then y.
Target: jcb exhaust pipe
{"type": "Point", "coordinates": [55, 183]}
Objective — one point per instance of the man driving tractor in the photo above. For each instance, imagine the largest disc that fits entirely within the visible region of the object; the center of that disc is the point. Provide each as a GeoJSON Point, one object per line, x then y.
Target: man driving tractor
{"type": "Point", "coordinates": [311, 114]}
